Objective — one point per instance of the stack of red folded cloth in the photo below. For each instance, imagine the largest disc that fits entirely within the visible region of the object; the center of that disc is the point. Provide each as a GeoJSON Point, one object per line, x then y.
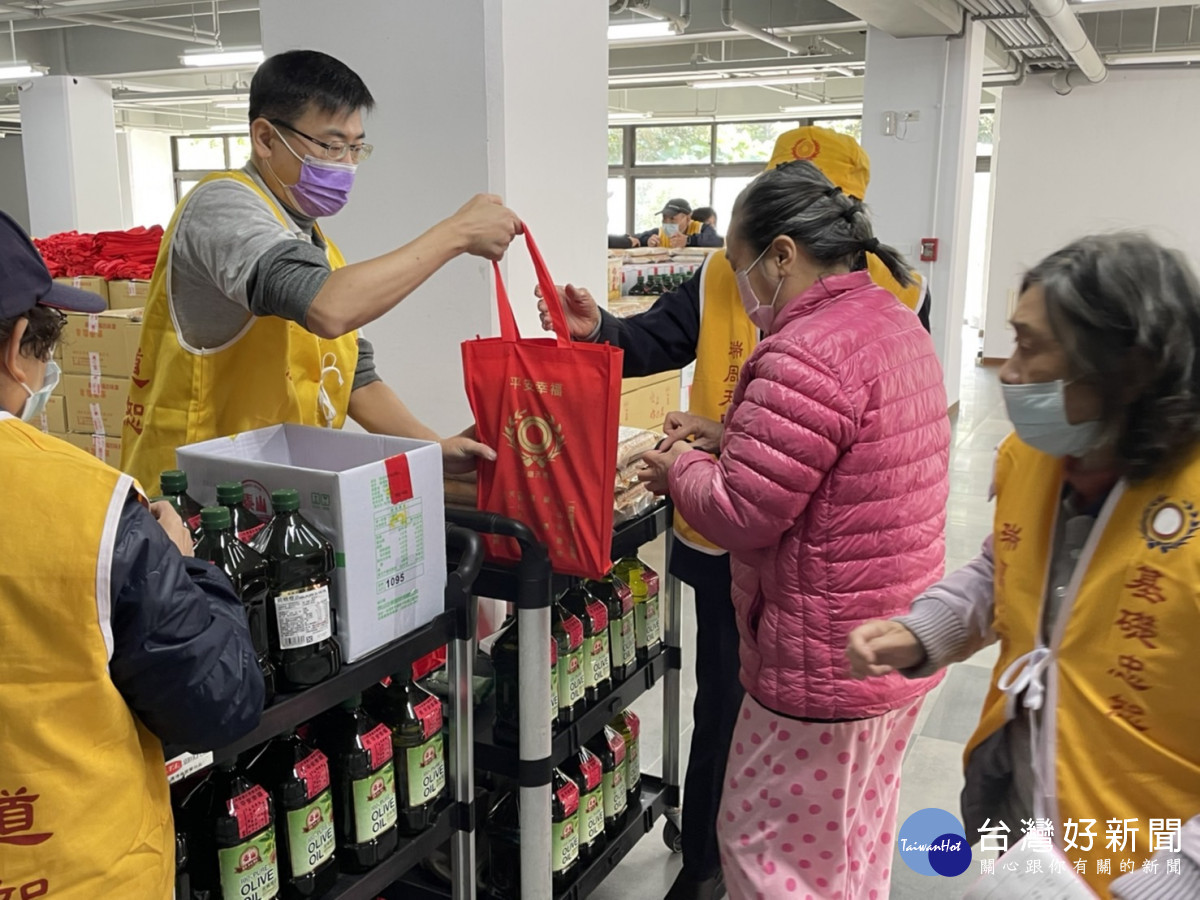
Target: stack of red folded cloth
{"type": "Point", "coordinates": [109, 254]}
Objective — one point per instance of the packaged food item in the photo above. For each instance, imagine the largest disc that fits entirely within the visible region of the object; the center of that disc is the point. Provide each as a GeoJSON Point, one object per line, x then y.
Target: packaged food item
{"type": "Point", "coordinates": [610, 748]}
{"type": "Point", "coordinates": [230, 823]}
{"type": "Point", "coordinates": [629, 727]}
{"type": "Point", "coordinates": [247, 571]}
{"type": "Point", "coordinates": [415, 717]}
{"type": "Point", "coordinates": [300, 563]}
{"type": "Point", "coordinates": [586, 771]}
{"type": "Point", "coordinates": [597, 662]}
{"type": "Point", "coordinates": [364, 784]}
{"type": "Point", "coordinates": [621, 630]}
{"type": "Point", "coordinates": [298, 777]}
{"type": "Point", "coordinates": [572, 680]}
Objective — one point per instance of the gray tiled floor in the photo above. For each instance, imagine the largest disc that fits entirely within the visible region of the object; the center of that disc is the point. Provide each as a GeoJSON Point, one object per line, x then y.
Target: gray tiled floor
{"type": "Point", "coordinates": [933, 764]}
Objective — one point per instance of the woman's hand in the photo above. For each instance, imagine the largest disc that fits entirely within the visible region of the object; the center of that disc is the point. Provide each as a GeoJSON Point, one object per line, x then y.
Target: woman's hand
{"type": "Point", "coordinates": [704, 434]}
{"type": "Point", "coordinates": [461, 453]}
{"type": "Point", "coordinates": [883, 646]}
{"type": "Point", "coordinates": [656, 467]}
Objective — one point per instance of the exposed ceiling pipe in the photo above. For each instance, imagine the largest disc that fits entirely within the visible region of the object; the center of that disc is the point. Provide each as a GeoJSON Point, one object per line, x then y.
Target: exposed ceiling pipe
{"type": "Point", "coordinates": [19, 13]}
{"type": "Point", "coordinates": [1062, 22]}
{"type": "Point", "coordinates": [170, 33]}
{"type": "Point", "coordinates": [168, 97]}
{"type": "Point", "coordinates": [730, 21]}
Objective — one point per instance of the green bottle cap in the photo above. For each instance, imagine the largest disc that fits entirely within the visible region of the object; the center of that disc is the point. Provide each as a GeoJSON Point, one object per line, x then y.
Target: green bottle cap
{"type": "Point", "coordinates": [285, 500]}
{"type": "Point", "coordinates": [215, 518]}
{"type": "Point", "coordinates": [173, 481]}
{"type": "Point", "coordinates": [230, 493]}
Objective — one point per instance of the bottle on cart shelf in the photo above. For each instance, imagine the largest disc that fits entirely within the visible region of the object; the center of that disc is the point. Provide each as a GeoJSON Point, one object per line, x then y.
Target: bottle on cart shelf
{"type": "Point", "coordinates": [655, 285]}
{"type": "Point", "coordinates": [621, 642]}
{"type": "Point", "coordinates": [297, 775]}
{"type": "Point", "coordinates": [572, 681]}
{"type": "Point", "coordinates": [300, 563]}
{"type": "Point", "coordinates": [183, 881]}
{"type": "Point", "coordinates": [364, 784]}
{"type": "Point", "coordinates": [597, 663]}
{"type": "Point", "coordinates": [230, 823]}
{"type": "Point", "coordinates": [588, 774]}
{"type": "Point", "coordinates": [610, 748]}
{"type": "Point", "coordinates": [564, 824]}
{"type": "Point", "coordinates": [505, 660]}
{"type": "Point", "coordinates": [173, 484]}
{"type": "Point", "coordinates": [639, 289]}
{"type": "Point", "coordinates": [415, 717]}
{"type": "Point", "coordinates": [247, 571]}
{"type": "Point", "coordinates": [629, 726]}
{"type": "Point", "coordinates": [503, 830]}
{"type": "Point", "coordinates": [232, 496]}
{"type": "Point", "coordinates": [642, 581]}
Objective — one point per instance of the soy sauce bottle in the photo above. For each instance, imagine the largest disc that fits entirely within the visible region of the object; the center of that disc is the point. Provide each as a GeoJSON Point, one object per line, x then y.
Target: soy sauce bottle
{"type": "Point", "coordinates": [572, 680]}
{"type": "Point", "coordinates": [610, 747]}
{"type": "Point", "coordinates": [415, 717]}
{"type": "Point", "coordinates": [232, 837]}
{"type": "Point", "coordinates": [618, 600]}
{"type": "Point", "coordinates": [588, 774]}
{"type": "Point", "coordinates": [564, 824]}
{"type": "Point", "coordinates": [297, 775]}
{"type": "Point", "coordinates": [300, 563]}
{"type": "Point", "coordinates": [364, 785]}
{"type": "Point", "coordinates": [247, 571]}
{"type": "Point", "coordinates": [232, 496]}
{"type": "Point", "coordinates": [173, 484]}
{"type": "Point", "coordinates": [597, 663]}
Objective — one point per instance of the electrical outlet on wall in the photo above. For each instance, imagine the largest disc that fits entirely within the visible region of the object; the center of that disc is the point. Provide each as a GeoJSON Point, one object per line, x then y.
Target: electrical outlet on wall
{"type": "Point", "coordinates": [910, 115]}
{"type": "Point", "coordinates": [889, 124]}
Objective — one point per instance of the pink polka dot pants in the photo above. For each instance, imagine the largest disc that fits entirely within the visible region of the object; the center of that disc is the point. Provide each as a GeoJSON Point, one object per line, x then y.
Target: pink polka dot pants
{"type": "Point", "coordinates": [809, 808]}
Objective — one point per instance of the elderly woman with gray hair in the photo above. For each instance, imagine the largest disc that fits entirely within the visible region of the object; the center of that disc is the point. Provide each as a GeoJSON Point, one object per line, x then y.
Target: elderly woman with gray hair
{"type": "Point", "coordinates": [1090, 580]}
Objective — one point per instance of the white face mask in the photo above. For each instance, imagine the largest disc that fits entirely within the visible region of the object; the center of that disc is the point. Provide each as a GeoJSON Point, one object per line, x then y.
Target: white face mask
{"type": "Point", "coordinates": [1038, 413]}
{"type": "Point", "coordinates": [671, 229]}
{"type": "Point", "coordinates": [36, 404]}
{"type": "Point", "coordinates": [762, 316]}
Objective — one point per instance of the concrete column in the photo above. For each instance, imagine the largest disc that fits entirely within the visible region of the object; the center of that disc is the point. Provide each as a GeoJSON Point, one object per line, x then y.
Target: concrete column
{"type": "Point", "coordinates": [922, 173]}
{"type": "Point", "coordinates": [502, 96]}
{"type": "Point", "coordinates": [71, 172]}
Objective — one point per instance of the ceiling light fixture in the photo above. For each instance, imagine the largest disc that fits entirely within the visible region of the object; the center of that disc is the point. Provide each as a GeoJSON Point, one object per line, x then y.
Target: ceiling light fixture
{"type": "Point", "coordinates": [16, 69]}
{"type": "Point", "coordinates": [210, 59]}
{"type": "Point", "coordinates": [758, 81]}
{"type": "Point", "coordinates": [229, 126]}
{"type": "Point", "coordinates": [233, 104]}
{"type": "Point", "coordinates": [821, 109]}
{"type": "Point", "coordinates": [1151, 59]}
{"type": "Point", "coordinates": [637, 30]}
{"type": "Point", "coordinates": [627, 116]}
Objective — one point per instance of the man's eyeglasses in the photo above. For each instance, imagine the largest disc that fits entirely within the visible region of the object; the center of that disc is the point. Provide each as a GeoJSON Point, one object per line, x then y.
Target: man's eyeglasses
{"type": "Point", "coordinates": [335, 151]}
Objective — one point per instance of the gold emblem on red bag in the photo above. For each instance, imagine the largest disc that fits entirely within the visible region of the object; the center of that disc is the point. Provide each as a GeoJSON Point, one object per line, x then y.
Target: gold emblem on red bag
{"type": "Point", "coordinates": [538, 440]}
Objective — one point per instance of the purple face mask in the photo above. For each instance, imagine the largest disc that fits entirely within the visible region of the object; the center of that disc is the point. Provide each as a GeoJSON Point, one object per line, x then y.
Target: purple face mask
{"type": "Point", "coordinates": [324, 185]}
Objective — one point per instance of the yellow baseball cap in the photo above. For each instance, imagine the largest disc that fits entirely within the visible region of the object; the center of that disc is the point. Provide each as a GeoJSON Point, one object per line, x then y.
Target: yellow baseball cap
{"type": "Point", "coordinates": [837, 155]}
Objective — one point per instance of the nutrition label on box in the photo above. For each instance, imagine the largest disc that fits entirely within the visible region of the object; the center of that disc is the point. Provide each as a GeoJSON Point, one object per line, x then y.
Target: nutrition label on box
{"type": "Point", "coordinates": [399, 550]}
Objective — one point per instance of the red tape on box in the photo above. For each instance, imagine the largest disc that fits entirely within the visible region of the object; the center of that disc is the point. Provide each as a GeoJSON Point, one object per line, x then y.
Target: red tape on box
{"type": "Point", "coordinates": [399, 479]}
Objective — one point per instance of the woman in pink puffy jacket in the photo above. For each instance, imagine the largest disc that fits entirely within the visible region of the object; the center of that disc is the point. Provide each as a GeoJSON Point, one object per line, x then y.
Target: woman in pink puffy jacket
{"type": "Point", "coordinates": [828, 484]}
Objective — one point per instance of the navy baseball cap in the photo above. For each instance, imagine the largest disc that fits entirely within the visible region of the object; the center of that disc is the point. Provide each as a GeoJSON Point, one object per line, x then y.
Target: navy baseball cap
{"type": "Point", "coordinates": [25, 281]}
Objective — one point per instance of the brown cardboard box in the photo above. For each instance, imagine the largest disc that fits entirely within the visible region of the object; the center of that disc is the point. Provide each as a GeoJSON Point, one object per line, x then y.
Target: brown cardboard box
{"type": "Point", "coordinates": [54, 418]}
{"type": "Point", "coordinates": [628, 385]}
{"type": "Point", "coordinates": [104, 343]}
{"type": "Point", "coordinates": [647, 406]}
{"type": "Point", "coordinates": [128, 294]}
{"type": "Point", "coordinates": [614, 278]}
{"type": "Point", "coordinates": [96, 404]}
{"type": "Point", "coordinates": [105, 448]}
{"type": "Point", "coordinates": [91, 283]}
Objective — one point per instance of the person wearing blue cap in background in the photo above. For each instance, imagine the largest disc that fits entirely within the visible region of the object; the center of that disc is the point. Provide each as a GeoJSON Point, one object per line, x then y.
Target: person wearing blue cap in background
{"type": "Point", "coordinates": [113, 638]}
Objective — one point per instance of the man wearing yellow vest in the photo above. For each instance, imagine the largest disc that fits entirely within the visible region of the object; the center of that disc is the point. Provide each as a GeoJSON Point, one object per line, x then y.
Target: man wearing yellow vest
{"type": "Point", "coordinates": [679, 229]}
{"type": "Point", "coordinates": [704, 321]}
{"type": "Point", "coordinates": [112, 638]}
{"type": "Point", "coordinates": [253, 317]}
{"type": "Point", "coordinates": [1089, 580]}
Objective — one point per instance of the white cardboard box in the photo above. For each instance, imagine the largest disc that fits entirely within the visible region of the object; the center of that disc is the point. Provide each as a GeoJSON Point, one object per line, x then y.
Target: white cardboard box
{"type": "Point", "coordinates": [377, 499]}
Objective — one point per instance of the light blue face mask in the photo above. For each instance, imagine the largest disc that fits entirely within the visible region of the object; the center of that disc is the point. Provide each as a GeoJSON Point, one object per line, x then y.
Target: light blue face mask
{"type": "Point", "coordinates": [671, 229]}
{"type": "Point", "coordinates": [1039, 415]}
{"type": "Point", "coordinates": [36, 404]}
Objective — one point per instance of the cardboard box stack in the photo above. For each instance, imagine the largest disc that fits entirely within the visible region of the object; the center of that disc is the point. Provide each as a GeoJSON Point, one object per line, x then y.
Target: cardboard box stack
{"type": "Point", "coordinates": [96, 353]}
{"type": "Point", "coordinates": [645, 402]}
{"type": "Point", "coordinates": [92, 283]}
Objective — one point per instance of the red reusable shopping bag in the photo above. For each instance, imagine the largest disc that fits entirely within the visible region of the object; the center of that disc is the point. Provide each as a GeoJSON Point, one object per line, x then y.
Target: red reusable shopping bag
{"type": "Point", "coordinates": [550, 409]}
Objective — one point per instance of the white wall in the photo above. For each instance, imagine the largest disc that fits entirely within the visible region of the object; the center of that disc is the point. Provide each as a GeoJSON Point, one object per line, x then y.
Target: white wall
{"type": "Point", "coordinates": [151, 178]}
{"type": "Point", "coordinates": [1116, 155]}
{"type": "Point", "coordinates": [13, 198]}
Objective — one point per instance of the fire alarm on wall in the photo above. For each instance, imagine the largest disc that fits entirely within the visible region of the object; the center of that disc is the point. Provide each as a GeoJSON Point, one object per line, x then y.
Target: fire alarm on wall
{"type": "Point", "coordinates": [929, 248]}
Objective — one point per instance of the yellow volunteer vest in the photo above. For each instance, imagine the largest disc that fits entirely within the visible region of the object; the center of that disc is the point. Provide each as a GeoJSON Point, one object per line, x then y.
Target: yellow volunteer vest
{"type": "Point", "coordinates": [1120, 731]}
{"type": "Point", "coordinates": [911, 296]}
{"type": "Point", "coordinates": [664, 239]}
{"type": "Point", "coordinates": [84, 808]}
{"type": "Point", "coordinates": [727, 338]}
{"type": "Point", "coordinates": [270, 374]}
